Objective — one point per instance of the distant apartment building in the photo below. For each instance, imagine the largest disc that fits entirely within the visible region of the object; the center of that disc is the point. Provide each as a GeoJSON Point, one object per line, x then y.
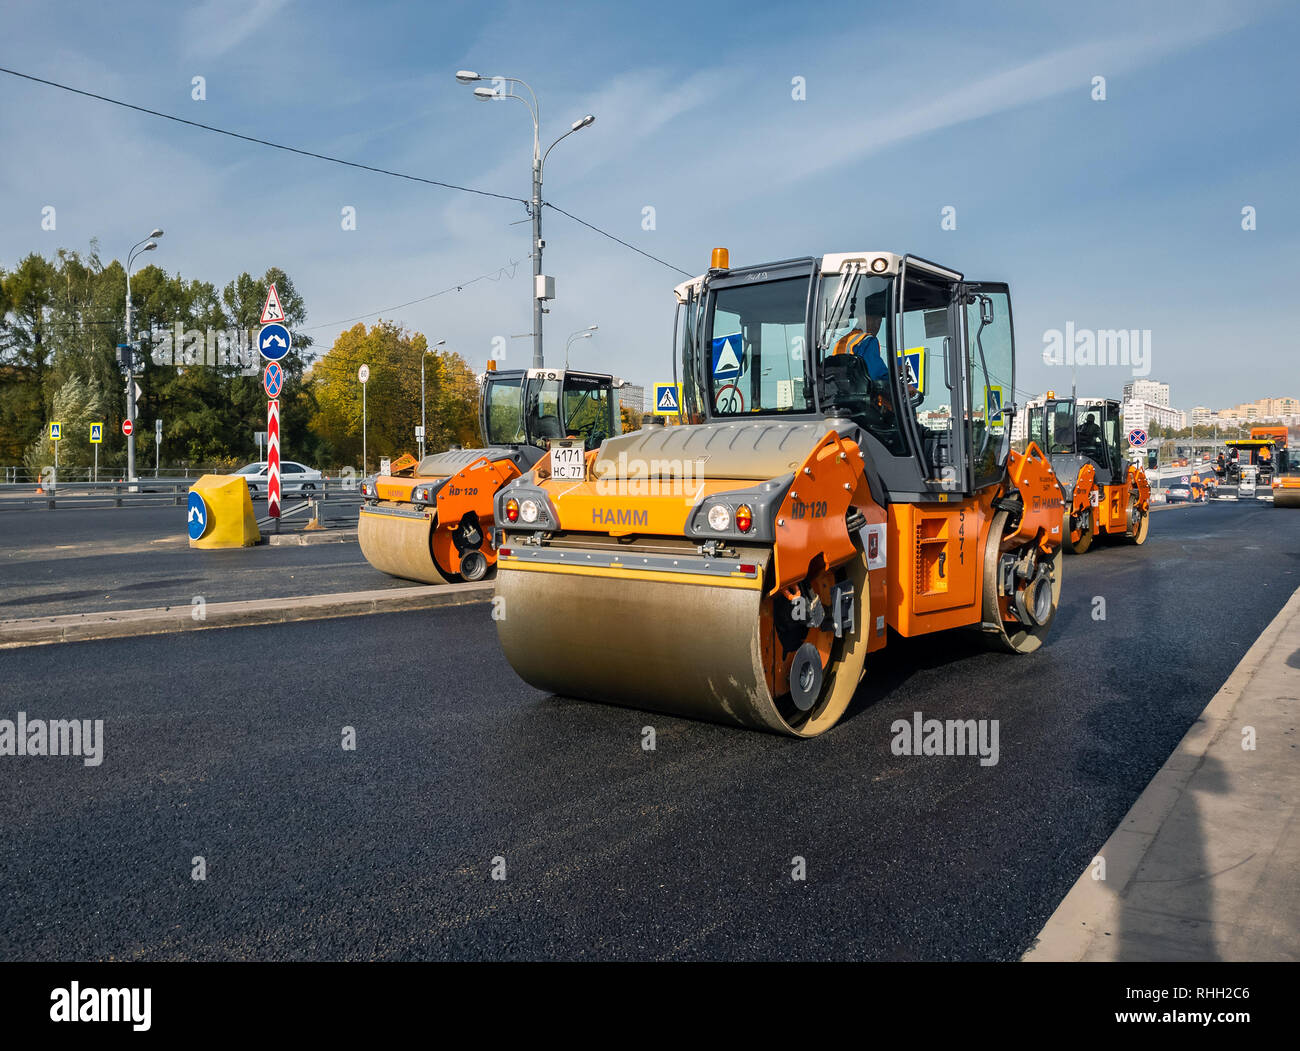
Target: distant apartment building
{"type": "Point", "coordinates": [1263, 409]}
{"type": "Point", "coordinates": [1151, 391]}
{"type": "Point", "coordinates": [631, 396]}
{"type": "Point", "coordinates": [1202, 417]}
{"type": "Point", "coordinates": [1148, 414]}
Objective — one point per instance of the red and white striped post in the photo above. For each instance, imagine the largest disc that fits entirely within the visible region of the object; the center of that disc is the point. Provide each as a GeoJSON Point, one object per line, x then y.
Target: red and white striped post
{"type": "Point", "coordinates": [273, 460]}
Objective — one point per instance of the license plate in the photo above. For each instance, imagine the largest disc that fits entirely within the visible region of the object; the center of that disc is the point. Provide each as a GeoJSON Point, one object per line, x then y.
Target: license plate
{"type": "Point", "coordinates": [568, 461]}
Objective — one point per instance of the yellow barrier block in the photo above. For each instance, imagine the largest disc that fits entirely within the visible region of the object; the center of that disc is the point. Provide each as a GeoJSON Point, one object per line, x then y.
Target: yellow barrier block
{"type": "Point", "coordinates": [220, 513]}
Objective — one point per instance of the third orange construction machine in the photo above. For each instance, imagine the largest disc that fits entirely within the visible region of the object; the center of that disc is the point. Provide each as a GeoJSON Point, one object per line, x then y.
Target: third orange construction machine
{"type": "Point", "coordinates": [844, 471]}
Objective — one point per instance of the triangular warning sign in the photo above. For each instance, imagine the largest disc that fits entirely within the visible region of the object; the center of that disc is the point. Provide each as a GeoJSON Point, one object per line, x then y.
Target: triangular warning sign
{"type": "Point", "coordinates": [728, 359]}
{"type": "Point", "coordinates": [668, 399]}
{"type": "Point", "coordinates": [272, 311]}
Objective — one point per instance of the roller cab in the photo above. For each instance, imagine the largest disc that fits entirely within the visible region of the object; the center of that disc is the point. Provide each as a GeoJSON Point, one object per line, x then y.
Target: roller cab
{"type": "Point", "coordinates": [434, 522]}
{"type": "Point", "coordinates": [1106, 494]}
{"type": "Point", "coordinates": [843, 468]}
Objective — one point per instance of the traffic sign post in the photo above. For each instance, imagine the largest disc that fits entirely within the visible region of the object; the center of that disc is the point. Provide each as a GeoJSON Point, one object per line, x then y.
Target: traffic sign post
{"type": "Point", "coordinates": [273, 460]}
{"type": "Point", "coordinates": [363, 374]}
{"type": "Point", "coordinates": [96, 437]}
{"type": "Point", "coordinates": [56, 436]}
{"type": "Point", "coordinates": [157, 445]}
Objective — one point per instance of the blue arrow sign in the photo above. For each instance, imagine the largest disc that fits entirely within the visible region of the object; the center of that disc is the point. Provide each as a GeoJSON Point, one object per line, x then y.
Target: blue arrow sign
{"type": "Point", "coordinates": [198, 516]}
{"type": "Point", "coordinates": [274, 342]}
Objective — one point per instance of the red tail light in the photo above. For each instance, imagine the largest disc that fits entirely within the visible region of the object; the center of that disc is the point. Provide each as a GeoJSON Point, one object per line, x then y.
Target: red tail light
{"type": "Point", "coordinates": [744, 518]}
{"type": "Point", "coordinates": [512, 510]}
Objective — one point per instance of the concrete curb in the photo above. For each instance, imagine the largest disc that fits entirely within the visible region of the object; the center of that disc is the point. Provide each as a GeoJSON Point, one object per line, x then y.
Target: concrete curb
{"type": "Point", "coordinates": [316, 536]}
{"type": "Point", "coordinates": [80, 627]}
{"type": "Point", "coordinates": [1083, 925]}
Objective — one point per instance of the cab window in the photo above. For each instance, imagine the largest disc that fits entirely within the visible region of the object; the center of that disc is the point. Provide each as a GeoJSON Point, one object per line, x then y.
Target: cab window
{"type": "Point", "coordinates": [587, 409]}
{"type": "Point", "coordinates": [757, 362]}
{"type": "Point", "coordinates": [505, 421]}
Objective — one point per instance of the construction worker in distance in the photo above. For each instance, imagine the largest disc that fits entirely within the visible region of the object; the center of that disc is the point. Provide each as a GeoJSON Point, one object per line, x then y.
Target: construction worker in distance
{"type": "Point", "coordinates": [1089, 433]}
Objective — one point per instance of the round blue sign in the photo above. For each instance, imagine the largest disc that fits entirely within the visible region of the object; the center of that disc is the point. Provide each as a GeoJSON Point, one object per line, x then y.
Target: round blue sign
{"type": "Point", "coordinates": [198, 512]}
{"type": "Point", "coordinates": [274, 342]}
{"type": "Point", "coordinates": [1137, 437]}
{"type": "Point", "coordinates": [273, 379]}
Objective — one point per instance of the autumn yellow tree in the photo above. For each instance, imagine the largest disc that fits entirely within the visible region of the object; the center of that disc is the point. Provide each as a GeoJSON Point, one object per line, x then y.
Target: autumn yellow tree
{"type": "Point", "coordinates": [392, 398]}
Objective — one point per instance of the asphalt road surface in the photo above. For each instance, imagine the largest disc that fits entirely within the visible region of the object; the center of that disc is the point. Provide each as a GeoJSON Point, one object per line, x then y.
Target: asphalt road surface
{"type": "Point", "coordinates": [82, 561]}
{"type": "Point", "coordinates": [225, 744]}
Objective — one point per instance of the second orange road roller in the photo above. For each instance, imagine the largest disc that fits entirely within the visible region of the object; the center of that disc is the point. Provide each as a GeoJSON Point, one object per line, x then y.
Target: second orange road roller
{"type": "Point", "coordinates": [1105, 493]}
{"type": "Point", "coordinates": [843, 472]}
{"type": "Point", "coordinates": [433, 523]}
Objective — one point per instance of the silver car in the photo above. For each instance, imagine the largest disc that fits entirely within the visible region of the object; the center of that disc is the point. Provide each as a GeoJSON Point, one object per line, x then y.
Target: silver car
{"type": "Point", "coordinates": [294, 478]}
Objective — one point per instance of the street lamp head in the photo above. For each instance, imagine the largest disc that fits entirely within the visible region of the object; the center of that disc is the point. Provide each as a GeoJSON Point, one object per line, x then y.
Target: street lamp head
{"type": "Point", "coordinates": [467, 76]}
{"type": "Point", "coordinates": [156, 233]}
{"type": "Point", "coordinates": [485, 93]}
{"type": "Point", "coordinates": [150, 246]}
{"type": "Point", "coordinates": [588, 119]}
{"type": "Point", "coordinates": [441, 343]}
{"type": "Point", "coordinates": [593, 328]}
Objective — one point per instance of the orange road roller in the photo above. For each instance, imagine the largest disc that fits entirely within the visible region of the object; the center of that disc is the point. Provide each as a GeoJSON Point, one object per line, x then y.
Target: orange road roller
{"type": "Point", "coordinates": [1106, 494]}
{"type": "Point", "coordinates": [434, 523]}
{"type": "Point", "coordinates": [843, 469]}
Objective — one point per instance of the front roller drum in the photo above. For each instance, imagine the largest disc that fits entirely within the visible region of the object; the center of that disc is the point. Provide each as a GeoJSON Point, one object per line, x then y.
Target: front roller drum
{"type": "Point", "coordinates": [400, 544]}
{"type": "Point", "coordinates": [1285, 496]}
{"type": "Point", "coordinates": [687, 649]}
{"type": "Point", "coordinates": [1018, 621]}
{"type": "Point", "coordinates": [1138, 522]}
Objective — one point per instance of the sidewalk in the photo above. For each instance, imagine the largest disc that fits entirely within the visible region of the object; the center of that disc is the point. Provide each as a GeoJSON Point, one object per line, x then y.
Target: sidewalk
{"type": "Point", "coordinates": [1206, 865]}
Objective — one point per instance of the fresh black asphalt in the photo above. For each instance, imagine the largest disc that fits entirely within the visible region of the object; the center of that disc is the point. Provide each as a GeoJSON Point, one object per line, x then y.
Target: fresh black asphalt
{"type": "Point", "coordinates": [225, 744]}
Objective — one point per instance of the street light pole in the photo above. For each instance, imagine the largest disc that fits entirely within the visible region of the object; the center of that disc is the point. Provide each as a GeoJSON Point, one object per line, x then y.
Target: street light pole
{"type": "Point", "coordinates": [148, 246]}
{"type": "Point", "coordinates": [424, 426]}
{"type": "Point", "coordinates": [466, 76]}
{"type": "Point", "coordinates": [582, 333]}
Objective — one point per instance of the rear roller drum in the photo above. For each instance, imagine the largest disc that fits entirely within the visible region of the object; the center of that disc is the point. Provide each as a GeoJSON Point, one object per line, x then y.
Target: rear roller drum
{"type": "Point", "coordinates": [1022, 590]}
{"type": "Point", "coordinates": [1139, 521]}
{"type": "Point", "coordinates": [1085, 530]}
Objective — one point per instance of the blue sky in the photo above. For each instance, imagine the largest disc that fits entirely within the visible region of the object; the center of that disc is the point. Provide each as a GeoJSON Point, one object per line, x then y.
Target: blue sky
{"type": "Point", "coordinates": [1117, 214]}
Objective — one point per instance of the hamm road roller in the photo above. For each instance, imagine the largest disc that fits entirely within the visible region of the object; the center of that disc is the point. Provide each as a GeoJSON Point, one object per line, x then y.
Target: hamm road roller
{"type": "Point", "coordinates": [435, 523]}
{"type": "Point", "coordinates": [843, 470]}
{"type": "Point", "coordinates": [1105, 494]}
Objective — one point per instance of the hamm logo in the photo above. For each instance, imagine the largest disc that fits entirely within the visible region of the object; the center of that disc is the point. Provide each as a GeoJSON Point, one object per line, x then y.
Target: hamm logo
{"type": "Point", "coordinates": [620, 517]}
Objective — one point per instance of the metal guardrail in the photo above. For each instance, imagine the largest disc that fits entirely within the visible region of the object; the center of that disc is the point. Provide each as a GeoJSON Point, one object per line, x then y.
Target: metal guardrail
{"type": "Point", "coordinates": [142, 492]}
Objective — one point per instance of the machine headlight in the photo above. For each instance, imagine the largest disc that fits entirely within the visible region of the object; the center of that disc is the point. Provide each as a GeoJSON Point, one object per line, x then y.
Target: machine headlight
{"type": "Point", "coordinates": [528, 510]}
{"type": "Point", "coordinates": [720, 517]}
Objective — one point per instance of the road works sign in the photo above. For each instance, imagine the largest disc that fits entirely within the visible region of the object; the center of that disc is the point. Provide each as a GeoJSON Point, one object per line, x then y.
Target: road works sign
{"type": "Point", "coordinates": [274, 342]}
{"type": "Point", "coordinates": [96, 433]}
{"type": "Point", "coordinates": [198, 516]}
{"type": "Point", "coordinates": [272, 311]}
{"type": "Point", "coordinates": [1137, 437]}
{"type": "Point", "coordinates": [668, 399]}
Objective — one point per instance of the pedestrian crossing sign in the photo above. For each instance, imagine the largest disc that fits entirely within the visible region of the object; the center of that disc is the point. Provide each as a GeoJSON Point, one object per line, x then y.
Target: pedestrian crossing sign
{"type": "Point", "coordinates": [668, 399]}
{"type": "Point", "coordinates": [96, 433]}
{"type": "Point", "coordinates": [56, 432]}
